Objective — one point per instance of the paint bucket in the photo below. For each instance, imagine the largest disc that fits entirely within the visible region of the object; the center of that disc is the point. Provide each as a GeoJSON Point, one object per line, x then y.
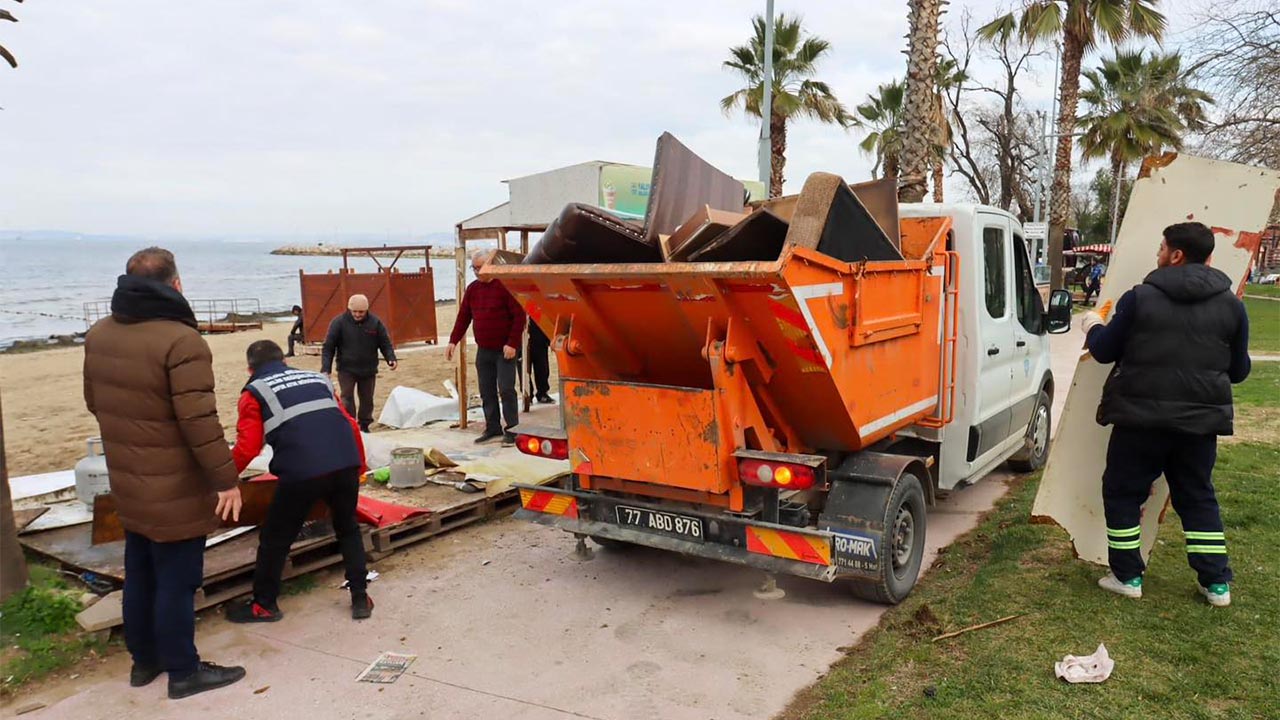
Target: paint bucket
{"type": "Point", "coordinates": [91, 473]}
{"type": "Point", "coordinates": [408, 468]}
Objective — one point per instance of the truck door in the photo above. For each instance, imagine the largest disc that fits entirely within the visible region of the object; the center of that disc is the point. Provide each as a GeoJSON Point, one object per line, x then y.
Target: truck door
{"type": "Point", "coordinates": [996, 342]}
{"type": "Point", "coordinates": [1029, 339]}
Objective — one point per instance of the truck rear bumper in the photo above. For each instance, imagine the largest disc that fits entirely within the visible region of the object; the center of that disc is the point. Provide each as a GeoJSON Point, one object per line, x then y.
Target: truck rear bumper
{"type": "Point", "coordinates": [803, 552]}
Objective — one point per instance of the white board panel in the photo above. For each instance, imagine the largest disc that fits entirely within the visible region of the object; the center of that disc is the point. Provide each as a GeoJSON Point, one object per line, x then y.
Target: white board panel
{"type": "Point", "coordinates": [1234, 200]}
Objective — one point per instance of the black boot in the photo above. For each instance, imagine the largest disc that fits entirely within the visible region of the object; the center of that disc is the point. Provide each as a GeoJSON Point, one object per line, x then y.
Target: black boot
{"type": "Point", "coordinates": [361, 606]}
{"type": "Point", "coordinates": [207, 677]}
{"type": "Point", "coordinates": [142, 675]}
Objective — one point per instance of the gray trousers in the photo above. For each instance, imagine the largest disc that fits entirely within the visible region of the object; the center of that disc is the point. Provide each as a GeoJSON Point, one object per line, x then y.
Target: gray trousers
{"type": "Point", "coordinates": [497, 378]}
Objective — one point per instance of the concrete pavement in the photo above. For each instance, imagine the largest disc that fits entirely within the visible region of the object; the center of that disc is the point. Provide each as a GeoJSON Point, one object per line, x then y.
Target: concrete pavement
{"type": "Point", "coordinates": [506, 624]}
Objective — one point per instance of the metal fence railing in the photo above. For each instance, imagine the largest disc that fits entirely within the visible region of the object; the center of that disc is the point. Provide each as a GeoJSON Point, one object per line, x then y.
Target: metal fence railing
{"type": "Point", "coordinates": [218, 315]}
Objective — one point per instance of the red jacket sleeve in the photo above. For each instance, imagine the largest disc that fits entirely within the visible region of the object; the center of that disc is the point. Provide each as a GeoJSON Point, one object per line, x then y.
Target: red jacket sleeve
{"type": "Point", "coordinates": [517, 321]}
{"type": "Point", "coordinates": [463, 319]}
{"type": "Point", "coordinates": [355, 429]}
{"type": "Point", "coordinates": [249, 435]}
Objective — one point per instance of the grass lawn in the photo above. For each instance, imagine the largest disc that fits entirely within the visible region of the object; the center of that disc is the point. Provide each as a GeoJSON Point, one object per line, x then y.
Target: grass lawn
{"type": "Point", "coordinates": [1176, 657]}
{"type": "Point", "coordinates": [1263, 290]}
{"type": "Point", "coordinates": [38, 630]}
{"type": "Point", "coordinates": [1264, 325]}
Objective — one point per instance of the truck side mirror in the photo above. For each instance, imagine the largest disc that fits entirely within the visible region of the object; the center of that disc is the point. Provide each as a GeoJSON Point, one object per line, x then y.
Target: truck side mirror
{"type": "Point", "coordinates": [1058, 318]}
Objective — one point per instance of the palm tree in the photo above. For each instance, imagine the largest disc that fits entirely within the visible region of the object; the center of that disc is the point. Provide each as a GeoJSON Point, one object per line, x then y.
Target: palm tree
{"type": "Point", "coordinates": [881, 115]}
{"type": "Point", "coordinates": [1135, 106]}
{"type": "Point", "coordinates": [1080, 25]}
{"type": "Point", "coordinates": [795, 93]}
{"type": "Point", "coordinates": [947, 75]}
{"type": "Point", "coordinates": [920, 131]}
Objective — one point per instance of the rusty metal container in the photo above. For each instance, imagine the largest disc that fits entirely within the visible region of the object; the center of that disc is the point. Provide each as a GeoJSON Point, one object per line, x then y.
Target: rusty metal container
{"type": "Point", "coordinates": [668, 369]}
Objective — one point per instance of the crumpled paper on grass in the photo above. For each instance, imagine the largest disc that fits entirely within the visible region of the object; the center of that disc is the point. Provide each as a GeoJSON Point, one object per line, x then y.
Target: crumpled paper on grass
{"type": "Point", "coordinates": [1086, 668]}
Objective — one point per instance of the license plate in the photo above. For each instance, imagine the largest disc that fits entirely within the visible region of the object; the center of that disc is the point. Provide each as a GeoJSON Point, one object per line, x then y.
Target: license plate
{"type": "Point", "coordinates": [681, 526]}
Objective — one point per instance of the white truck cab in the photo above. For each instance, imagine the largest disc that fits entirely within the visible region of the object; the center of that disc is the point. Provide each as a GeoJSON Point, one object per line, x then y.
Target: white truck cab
{"type": "Point", "coordinates": [1004, 384]}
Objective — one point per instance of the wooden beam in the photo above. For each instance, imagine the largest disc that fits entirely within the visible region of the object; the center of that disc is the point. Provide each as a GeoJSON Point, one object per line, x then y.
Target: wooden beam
{"type": "Point", "coordinates": [462, 344]}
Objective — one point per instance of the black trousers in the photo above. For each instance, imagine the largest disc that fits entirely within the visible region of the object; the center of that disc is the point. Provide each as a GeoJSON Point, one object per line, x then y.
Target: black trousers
{"type": "Point", "coordinates": [497, 379]}
{"type": "Point", "coordinates": [293, 340]}
{"type": "Point", "coordinates": [539, 344]}
{"type": "Point", "coordinates": [289, 509]}
{"type": "Point", "coordinates": [1135, 458]}
{"type": "Point", "coordinates": [349, 385]}
{"type": "Point", "coordinates": [160, 584]}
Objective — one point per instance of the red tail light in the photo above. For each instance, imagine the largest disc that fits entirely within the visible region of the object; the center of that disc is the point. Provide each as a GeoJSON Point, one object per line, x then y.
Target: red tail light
{"type": "Point", "coordinates": [552, 448]}
{"type": "Point", "coordinates": [784, 476]}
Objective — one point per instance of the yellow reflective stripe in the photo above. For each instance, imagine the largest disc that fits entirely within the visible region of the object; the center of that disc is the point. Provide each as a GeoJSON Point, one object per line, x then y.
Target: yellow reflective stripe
{"type": "Point", "coordinates": [1208, 549]}
{"type": "Point", "coordinates": [1125, 532]}
{"type": "Point", "coordinates": [776, 545]}
{"type": "Point", "coordinates": [1196, 535]}
{"type": "Point", "coordinates": [1124, 545]}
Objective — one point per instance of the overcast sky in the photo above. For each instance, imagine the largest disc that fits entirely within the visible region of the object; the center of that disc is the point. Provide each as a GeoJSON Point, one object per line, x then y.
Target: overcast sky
{"type": "Point", "coordinates": [289, 117]}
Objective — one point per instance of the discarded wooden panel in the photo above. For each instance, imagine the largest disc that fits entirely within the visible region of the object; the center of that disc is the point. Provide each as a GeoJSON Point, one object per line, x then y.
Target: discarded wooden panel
{"type": "Point", "coordinates": [831, 219]}
{"type": "Point", "coordinates": [682, 183]}
{"type": "Point", "coordinates": [1234, 200]}
{"type": "Point", "coordinates": [23, 518]}
{"type": "Point", "coordinates": [878, 197]}
{"type": "Point", "coordinates": [696, 232]}
{"type": "Point", "coordinates": [255, 495]}
{"type": "Point", "coordinates": [587, 234]}
{"type": "Point", "coordinates": [106, 613]}
{"type": "Point", "coordinates": [60, 514]}
{"type": "Point", "coordinates": [758, 237]}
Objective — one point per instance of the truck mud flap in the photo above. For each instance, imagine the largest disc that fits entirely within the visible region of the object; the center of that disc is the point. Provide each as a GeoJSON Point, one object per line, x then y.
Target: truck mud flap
{"type": "Point", "coordinates": [783, 549]}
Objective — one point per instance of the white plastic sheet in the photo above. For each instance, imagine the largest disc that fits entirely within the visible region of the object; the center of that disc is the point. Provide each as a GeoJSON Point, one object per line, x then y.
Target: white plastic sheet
{"type": "Point", "coordinates": [407, 407]}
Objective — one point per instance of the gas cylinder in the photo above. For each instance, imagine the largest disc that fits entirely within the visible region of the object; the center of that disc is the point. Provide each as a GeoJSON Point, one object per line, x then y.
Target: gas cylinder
{"type": "Point", "coordinates": [91, 473]}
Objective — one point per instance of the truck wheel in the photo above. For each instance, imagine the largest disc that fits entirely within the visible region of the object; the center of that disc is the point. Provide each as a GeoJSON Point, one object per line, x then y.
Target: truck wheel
{"type": "Point", "coordinates": [1033, 456]}
{"type": "Point", "coordinates": [902, 546]}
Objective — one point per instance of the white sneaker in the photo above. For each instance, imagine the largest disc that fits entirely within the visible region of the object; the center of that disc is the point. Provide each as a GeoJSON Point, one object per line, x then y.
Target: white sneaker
{"type": "Point", "coordinates": [1218, 594]}
{"type": "Point", "coordinates": [1130, 589]}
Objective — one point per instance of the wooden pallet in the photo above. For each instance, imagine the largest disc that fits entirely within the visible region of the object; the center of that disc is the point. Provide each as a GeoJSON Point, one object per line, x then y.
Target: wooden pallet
{"type": "Point", "coordinates": [388, 539]}
{"type": "Point", "coordinates": [307, 555]}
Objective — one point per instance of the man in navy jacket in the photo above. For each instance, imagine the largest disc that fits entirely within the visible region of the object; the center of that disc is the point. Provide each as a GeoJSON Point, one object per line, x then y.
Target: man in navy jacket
{"type": "Point", "coordinates": [1179, 341]}
{"type": "Point", "coordinates": [317, 454]}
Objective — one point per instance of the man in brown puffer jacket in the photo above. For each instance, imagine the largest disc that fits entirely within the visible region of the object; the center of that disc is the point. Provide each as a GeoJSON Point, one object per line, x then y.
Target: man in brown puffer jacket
{"type": "Point", "coordinates": [148, 379]}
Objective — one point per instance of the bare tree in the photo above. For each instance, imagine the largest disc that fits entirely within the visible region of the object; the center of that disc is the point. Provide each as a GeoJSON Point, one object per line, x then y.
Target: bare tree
{"type": "Point", "coordinates": [993, 145]}
{"type": "Point", "coordinates": [1236, 56]}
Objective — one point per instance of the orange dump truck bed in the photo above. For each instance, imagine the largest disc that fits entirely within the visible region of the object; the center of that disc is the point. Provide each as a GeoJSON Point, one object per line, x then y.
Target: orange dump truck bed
{"type": "Point", "coordinates": [669, 369]}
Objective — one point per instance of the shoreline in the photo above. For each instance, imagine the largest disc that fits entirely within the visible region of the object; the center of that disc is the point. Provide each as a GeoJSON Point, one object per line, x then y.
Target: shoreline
{"type": "Point", "coordinates": [24, 346]}
{"type": "Point", "coordinates": [336, 251]}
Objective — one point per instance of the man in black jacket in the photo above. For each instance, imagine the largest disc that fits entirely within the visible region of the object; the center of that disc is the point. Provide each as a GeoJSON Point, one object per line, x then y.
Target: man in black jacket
{"type": "Point", "coordinates": [356, 337]}
{"type": "Point", "coordinates": [1179, 340]}
{"type": "Point", "coordinates": [295, 333]}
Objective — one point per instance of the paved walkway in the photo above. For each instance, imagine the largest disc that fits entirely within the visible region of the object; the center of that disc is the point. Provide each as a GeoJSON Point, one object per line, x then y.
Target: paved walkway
{"type": "Point", "coordinates": [507, 625]}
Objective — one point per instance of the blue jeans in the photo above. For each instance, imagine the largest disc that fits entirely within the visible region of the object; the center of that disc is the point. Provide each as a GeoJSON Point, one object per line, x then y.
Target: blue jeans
{"type": "Point", "coordinates": [160, 583]}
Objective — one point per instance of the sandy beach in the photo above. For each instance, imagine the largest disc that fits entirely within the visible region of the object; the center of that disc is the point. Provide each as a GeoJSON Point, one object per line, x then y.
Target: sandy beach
{"type": "Point", "coordinates": [46, 423]}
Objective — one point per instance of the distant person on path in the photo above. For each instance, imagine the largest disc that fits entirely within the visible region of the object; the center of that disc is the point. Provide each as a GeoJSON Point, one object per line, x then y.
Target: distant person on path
{"type": "Point", "coordinates": [1093, 280]}
{"type": "Point", "coordinates": [539, 345]}
{"type": "Point", "coordinates": [355, 338]}
{"type": "Point", "coordinates": [295, 333]}
{"type": "Point", "coordinates": [1179, 341]}
{"type": "Point", "coordinates": [148, 379]}
{"type": "Point", "coordinates": [318, 454]}
{"type": "Point", "coordinates": [499, 324]}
